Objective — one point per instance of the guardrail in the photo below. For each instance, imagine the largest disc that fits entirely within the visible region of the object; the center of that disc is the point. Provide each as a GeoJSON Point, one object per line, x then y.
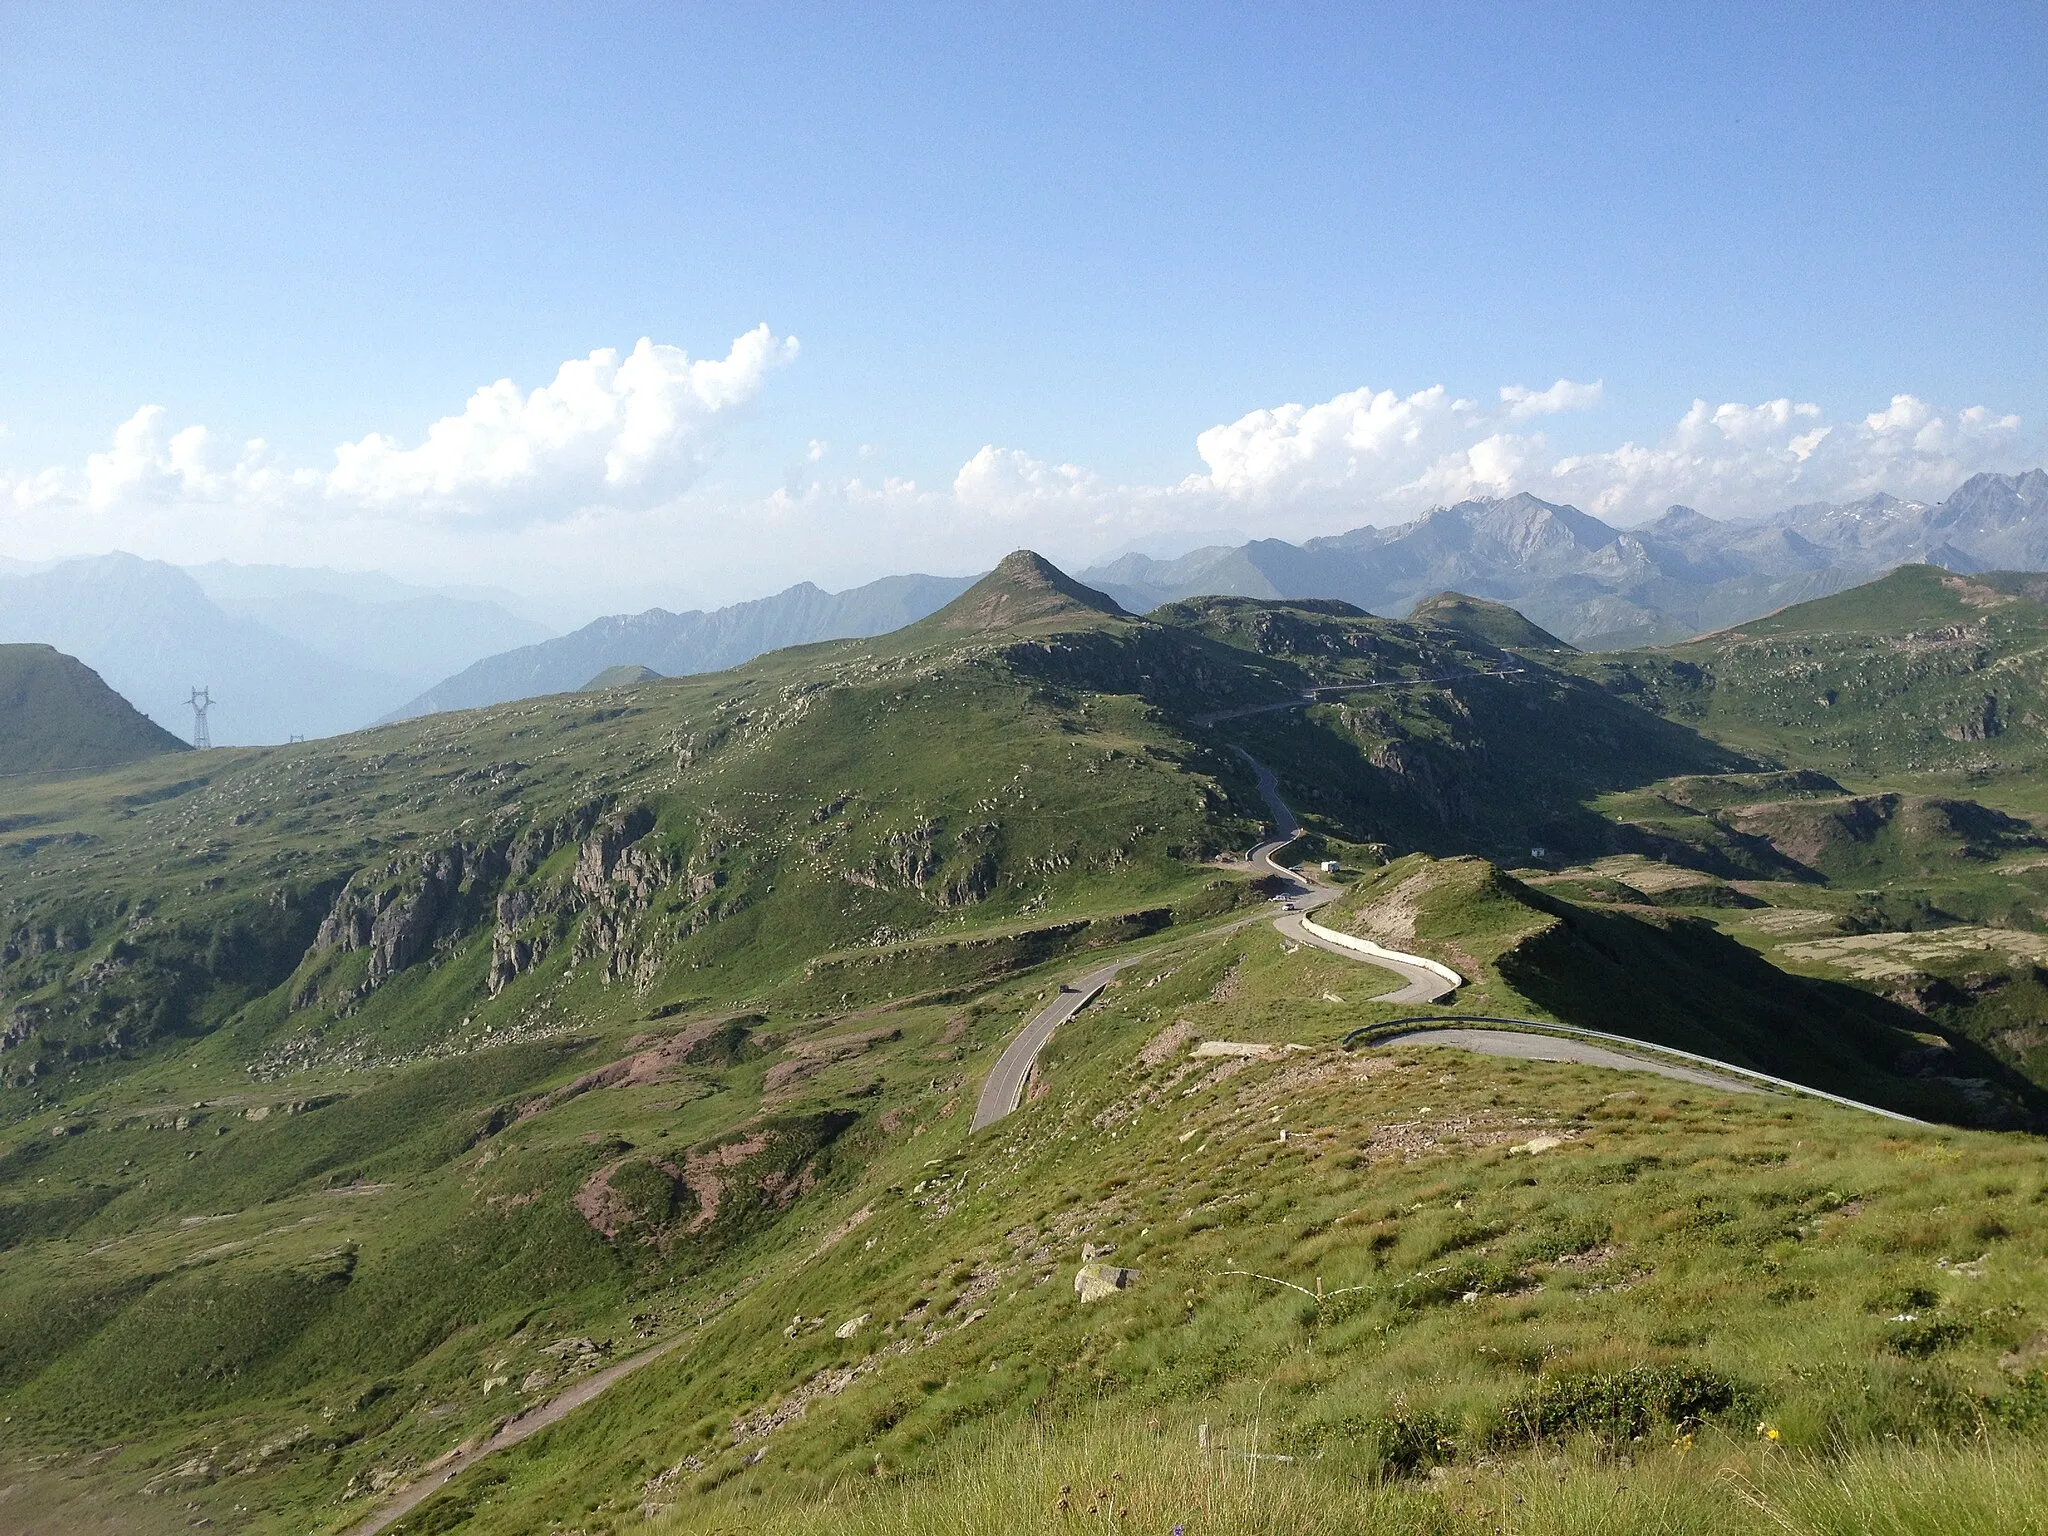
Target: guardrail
{"type": "Point", "coordinates": [1381, 952]}
{"type": "Point", "coordinates": [1363, 1034]}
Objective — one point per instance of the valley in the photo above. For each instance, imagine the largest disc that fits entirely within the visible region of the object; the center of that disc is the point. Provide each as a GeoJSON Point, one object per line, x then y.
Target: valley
{"type": "Point", "coordinates": [362, 1098]}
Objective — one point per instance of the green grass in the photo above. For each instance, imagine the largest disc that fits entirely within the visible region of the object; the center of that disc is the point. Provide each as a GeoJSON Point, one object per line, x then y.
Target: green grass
{"type": "Point", "coordinates": [362, 1093]}
{"type": "Point", "coordinates": [56, 713]}
{"type": "Point", "coordinates": [1158, 1480]}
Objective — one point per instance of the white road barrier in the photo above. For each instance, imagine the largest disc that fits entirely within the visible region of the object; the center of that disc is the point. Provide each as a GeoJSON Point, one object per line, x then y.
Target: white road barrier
{"type": "Point", "coordinates": [1380, 952]}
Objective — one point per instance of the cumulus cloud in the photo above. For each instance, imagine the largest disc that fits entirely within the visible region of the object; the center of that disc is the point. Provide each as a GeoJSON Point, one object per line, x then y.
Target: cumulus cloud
{"type": "Point", "coordinates": [597, 480]}
{"type": "Point", "coordinates": [1564, 395]}
{"type": "Point", "coordinates": [1378, 456]}
{"type": "Point", "coordinates": [610, 431]}
{"type": "Point", "coordinates": [1746, 460]}
{"type": "Point", "coordinates": [621, 431]}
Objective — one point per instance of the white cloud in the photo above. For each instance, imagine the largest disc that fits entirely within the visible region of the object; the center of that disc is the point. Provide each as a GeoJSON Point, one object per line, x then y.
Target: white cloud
{"type": "Point", "coordinates": [1290, 449]}
{"type": "Point", "coordinates": [1564, 395]}
{"type": "Point", "coordinates": [608, 431]}
{"type": "Point", "coordinates": [1006, 483]}
{"type": "Point", "coordinates": [595, 481]}
{"type": "Point", "coordinates": [622, 432]}
{"type": "Point", "coordinates": [1741, 460]}
{"type": "Point", "coordinates": [1371, 456]}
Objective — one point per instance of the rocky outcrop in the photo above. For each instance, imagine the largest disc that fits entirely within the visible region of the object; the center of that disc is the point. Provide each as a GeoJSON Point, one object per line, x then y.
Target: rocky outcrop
{"type": "Point", "coordinates": [399, 910]}
{"type": "Point", "coordinates": [1436, 787]}
{"type": "Point", "coordinates": [616, 879]}
{"type": "Point", "coordinates": [1095, 1280]}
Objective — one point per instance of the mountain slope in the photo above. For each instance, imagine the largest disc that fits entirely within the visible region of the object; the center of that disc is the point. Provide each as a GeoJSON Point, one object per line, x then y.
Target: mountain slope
{"type": "Point", "coordinates": [621, 676]}
{"type": "Point", "coordinates": [366, 620]}
{"type": "Point", "coordinates": [56, 713]}
{"type": "Point", "coordinates": [1923, 670]}
{"type": "Point", "coordinates": [358, 1095]}
{"type": "Point", "coordinates": [1493, 622]}
{"type": "Point", "coordinates": [1432, 737]}
{"type": "Point", "coordinates": [682, 644]}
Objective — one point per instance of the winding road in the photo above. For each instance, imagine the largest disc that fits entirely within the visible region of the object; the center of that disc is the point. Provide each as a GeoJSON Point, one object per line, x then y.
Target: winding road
{"type": "Point", "coordinates": [1424, 981]}
{"type": "Point", "coordinates": [1534, 1047]}
{"type": "Point", "coordinates": [1004, 1090]}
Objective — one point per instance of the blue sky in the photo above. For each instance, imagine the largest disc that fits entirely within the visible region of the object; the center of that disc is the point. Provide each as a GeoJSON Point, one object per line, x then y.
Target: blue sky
{"type": "Point", "coordinates": [1078, 237]}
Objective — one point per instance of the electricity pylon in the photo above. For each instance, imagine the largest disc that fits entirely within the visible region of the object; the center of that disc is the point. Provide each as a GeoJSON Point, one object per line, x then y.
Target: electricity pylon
{"type": "Point", "coordinates": [201, 701]}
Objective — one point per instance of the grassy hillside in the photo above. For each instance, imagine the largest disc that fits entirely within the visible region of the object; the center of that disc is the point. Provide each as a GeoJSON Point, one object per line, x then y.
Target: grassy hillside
{"type": "Point", "coordinates": [1656, 1279]}
{"type": "Point", "coordinates": [1432, 737]}
{"type": "Point", "coordinates": [1920, 671]}
{"type": "Point", "coordinates": [358, 1095]}
{"type": "Point", "coordinates": [1490, 621]}
{"type": "Point", "coordinates": [621, 676]}
{"type": "Point", "coordinates": [55, 713]}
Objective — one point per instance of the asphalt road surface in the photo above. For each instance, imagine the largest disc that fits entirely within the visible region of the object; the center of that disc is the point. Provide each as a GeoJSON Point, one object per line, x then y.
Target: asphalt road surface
{"type": "Point", "coordinates": [1503, 1042]}
{"type": "Point", "coordinates": [1421, 984]}
{"type": "Point", "coordinates": [1004, 1090]}
{"type": "Point", "coordinates": [1306, 893]}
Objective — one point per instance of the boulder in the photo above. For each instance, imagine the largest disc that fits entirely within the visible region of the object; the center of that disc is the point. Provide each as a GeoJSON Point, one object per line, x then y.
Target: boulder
{"type": "Point", "coordinates": [1092, 1282]}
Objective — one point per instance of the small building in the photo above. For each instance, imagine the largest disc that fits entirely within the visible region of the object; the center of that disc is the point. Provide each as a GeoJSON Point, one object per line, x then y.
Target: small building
{"type": "Point", "coordinates": [1328, 866]}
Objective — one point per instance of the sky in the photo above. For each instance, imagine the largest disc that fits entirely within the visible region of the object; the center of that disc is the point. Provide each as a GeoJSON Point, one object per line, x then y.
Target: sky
{"type": "Point", "coordinates": [614, 305]}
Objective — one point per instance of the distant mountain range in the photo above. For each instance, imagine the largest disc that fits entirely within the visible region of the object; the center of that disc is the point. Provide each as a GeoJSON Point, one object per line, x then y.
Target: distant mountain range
{"type": "Point", "coordinates": [1601, 587]}
{"type": "Point", "coordinates": [677, 643]}
{"type": "Point", "coordinates": [305, 652]}
{"type": "Point", "coordinates": [285, 651]}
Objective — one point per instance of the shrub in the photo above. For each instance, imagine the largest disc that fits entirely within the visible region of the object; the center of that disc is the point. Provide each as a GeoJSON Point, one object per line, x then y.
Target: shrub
{"type": "Point", "coordinates": [1617, 1407]}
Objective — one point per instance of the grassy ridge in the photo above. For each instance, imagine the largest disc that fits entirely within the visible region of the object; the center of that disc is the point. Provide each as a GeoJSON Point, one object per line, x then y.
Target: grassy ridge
{"type": "Point", "coordinates": [359, 1094]}
{"type": "Point", "coordinates": [56, 713]}
{"type": "Point", "coordinates": [1675, 1263]}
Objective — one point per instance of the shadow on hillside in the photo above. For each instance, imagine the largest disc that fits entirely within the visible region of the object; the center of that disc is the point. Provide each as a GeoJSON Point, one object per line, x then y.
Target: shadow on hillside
{"type": "Point", "coordinates": [1679, 981]}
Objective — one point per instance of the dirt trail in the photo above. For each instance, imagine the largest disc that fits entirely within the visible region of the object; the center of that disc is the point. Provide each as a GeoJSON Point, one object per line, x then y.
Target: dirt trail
{"type": "Point", "coordinates": [439, 1474]}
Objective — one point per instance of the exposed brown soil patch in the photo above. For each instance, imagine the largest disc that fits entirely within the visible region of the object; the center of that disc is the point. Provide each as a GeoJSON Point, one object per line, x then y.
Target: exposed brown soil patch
{"type": "Point", "coordinates": [651, 1065]}
{"type": "Point", "coordinates": [810, 1057]}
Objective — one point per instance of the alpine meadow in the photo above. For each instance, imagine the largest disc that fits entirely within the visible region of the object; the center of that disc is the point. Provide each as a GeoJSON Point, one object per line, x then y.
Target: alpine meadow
{"type": "Point", "coordinates": [373, 1101]}
{"type": "Point", "coordinates": [1055, 770]}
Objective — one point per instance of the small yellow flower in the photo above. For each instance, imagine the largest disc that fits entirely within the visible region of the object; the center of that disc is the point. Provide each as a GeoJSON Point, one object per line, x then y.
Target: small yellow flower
{"type": "Point", "coordinates": [1769, 1432]}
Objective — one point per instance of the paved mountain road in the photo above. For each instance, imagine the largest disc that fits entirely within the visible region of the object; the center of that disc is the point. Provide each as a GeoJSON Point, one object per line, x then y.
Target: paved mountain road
{"type": "Point", "coordinates": [1535, 1047]}
{"type": "Point", "coordinates": [1420, 983]}
{"type": "Point", "coordinates": [1004, 1090]}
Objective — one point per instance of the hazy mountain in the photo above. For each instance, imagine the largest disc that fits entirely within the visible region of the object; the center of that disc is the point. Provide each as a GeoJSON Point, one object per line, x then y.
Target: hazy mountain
{"type": "Point", "coordinates": [1990, 522]}
{"type": "Point", "coordinates": [367, 619]}
{"type": "Point", "coordinates": [676, 644]}
{"type": "Point", "coordinates": [56, 712]}
{"type": "Point", "coordinates": [1596, 585]}
{"type": "Point", "coordinates": [153, 634]}
{"type": "Point", "coordinates": [285, 651]}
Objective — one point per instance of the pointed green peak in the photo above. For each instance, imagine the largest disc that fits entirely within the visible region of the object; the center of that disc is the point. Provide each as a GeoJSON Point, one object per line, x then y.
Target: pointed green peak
{"type": "Point", "coordinates": [1024, 588]}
